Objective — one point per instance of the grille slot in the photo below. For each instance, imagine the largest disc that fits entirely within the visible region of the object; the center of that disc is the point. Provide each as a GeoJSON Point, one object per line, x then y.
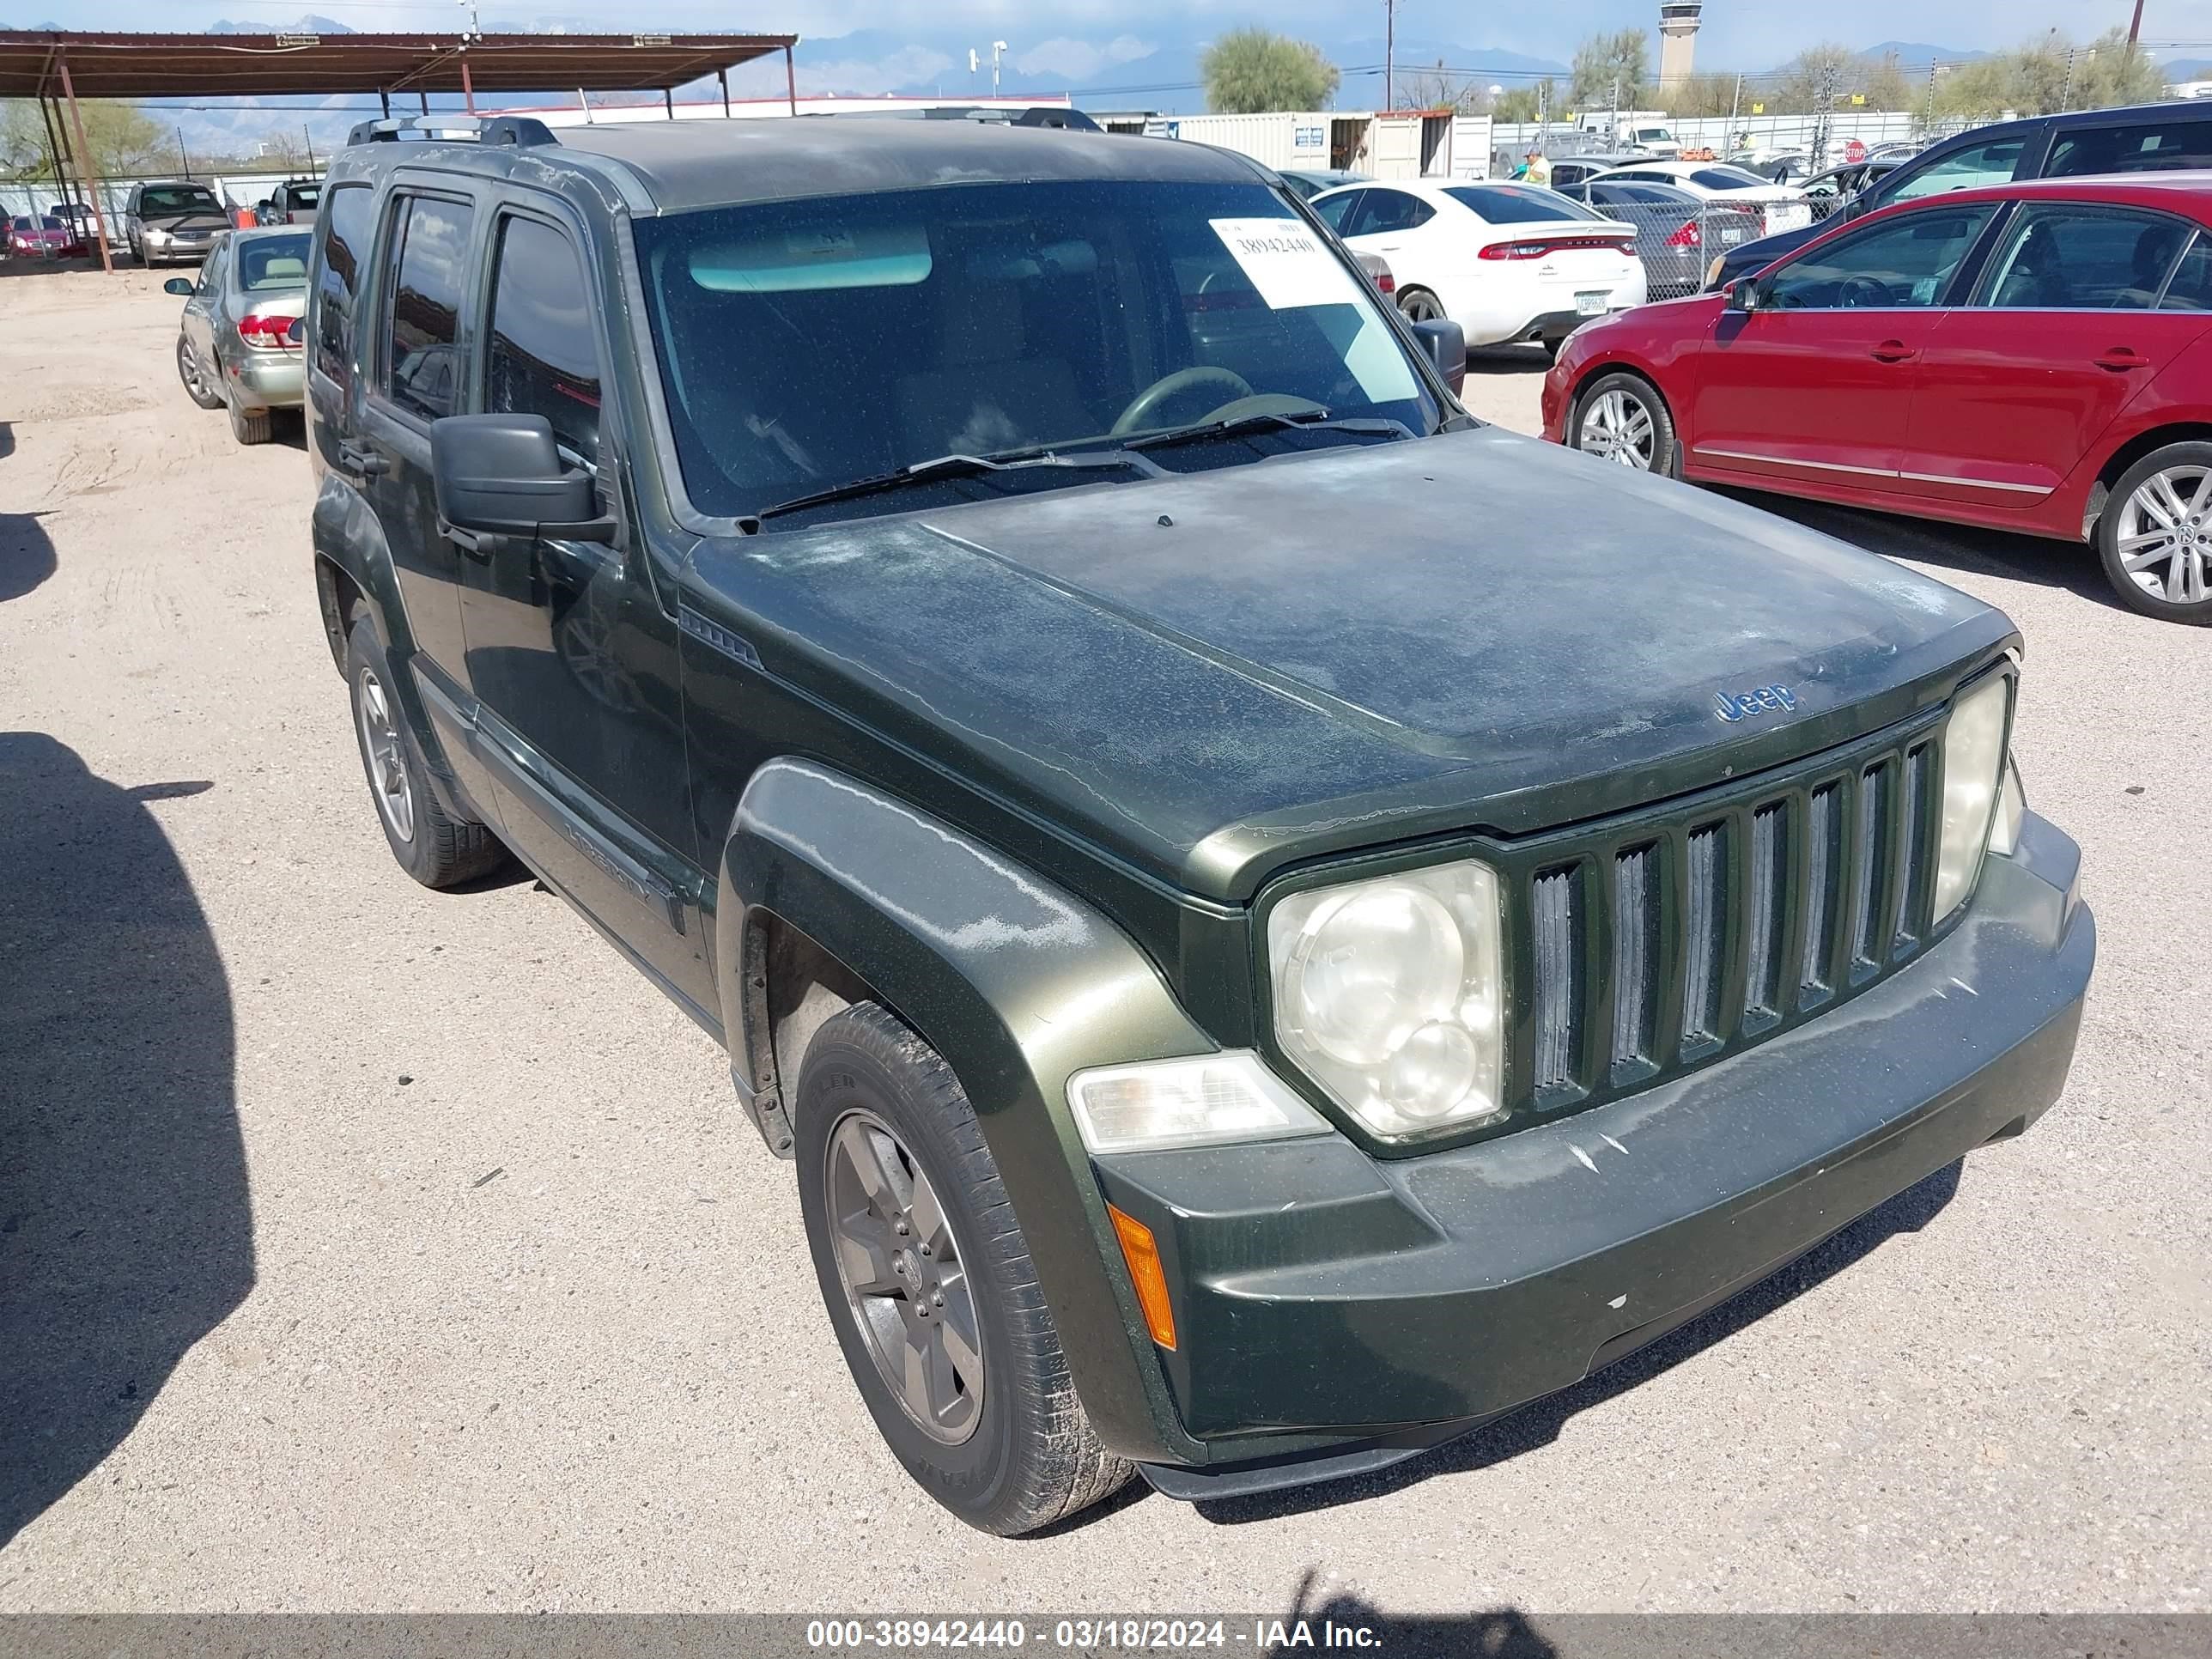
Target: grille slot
{"type": "Point", "coordinates": [1875, 787]}
{"type": "Point", "coordinates": [1824, 866]}
{"type": "Point", "coordinates": [1635, 953]}
{"type": "Point", "coordinates": [1770, 915]}
{"type": "Point", "coordinates": [1919, 795]}
{"type": "Point", "coordinates": [1559, 980]}
{"type": "Point", "coordinates": [1704, 935]}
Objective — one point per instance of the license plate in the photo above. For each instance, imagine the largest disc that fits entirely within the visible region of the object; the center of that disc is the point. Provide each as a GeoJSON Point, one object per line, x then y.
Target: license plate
{"type": "Point", "coordinates": [1590, 305]}
{"type": "Point", "coordinates": [1731, 238]}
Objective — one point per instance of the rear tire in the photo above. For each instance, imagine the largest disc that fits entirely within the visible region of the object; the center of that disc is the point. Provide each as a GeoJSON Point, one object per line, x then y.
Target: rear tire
{"type": "Point", "coordinates": [1621, 418]}
{"type": "Point", "coordinates": [1420, 306]}
{"type": "Point", "coordinates": [252, 426]}
{"type": "Point", "coordinates": [437, 850]}
{"type": "Point", "coordinates": [886, 1139]}
{"type": "Point", "coordinates": [2172, 484]}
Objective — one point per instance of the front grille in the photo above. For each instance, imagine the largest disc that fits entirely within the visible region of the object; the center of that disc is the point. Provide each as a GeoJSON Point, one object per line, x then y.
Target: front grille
{"type": "Point", "coordinates": [1667, 938]}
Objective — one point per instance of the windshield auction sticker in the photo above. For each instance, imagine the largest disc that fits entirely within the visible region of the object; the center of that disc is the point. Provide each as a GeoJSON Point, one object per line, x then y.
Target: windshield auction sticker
{"type": "Point", "coordinates": [1286, 262]}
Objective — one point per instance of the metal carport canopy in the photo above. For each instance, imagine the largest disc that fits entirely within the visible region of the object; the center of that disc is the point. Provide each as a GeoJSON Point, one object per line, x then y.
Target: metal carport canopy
{"type": "Point", "coordinates": [102, 65]}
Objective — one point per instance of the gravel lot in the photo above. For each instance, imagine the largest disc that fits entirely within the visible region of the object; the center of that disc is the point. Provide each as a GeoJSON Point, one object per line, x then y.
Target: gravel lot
{"type": "Point", "coordinates": [363, 1248]}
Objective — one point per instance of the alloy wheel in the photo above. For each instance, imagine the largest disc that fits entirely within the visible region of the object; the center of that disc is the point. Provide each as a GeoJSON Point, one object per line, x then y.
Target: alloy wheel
{"type": "Point", "coordinates": [2165, 540]}
{"type": "Point", "coordinates": [1618, 427]}
{"type": "Point", "coordinates": [903, 1278]}
{"type": "Point", "coordinates": [1420, 307]}
{"type": "Point", "coordinates": [388, 760]}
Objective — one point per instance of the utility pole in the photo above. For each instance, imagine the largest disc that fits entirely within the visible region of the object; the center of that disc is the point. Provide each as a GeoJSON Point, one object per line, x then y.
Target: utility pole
{"type": "Point", "coordinates": [1829, 76]}
{"type": "Point", "coordinates": [309, 136]}
{"type": "Point", "coordinates": [2135, 27]}
{"type": "Point", "coordinates": [1389, 52]}
{"type": "Point", "coordinates": [2066, 97]}
{"type": "Point", "coordinates": [181, 157]}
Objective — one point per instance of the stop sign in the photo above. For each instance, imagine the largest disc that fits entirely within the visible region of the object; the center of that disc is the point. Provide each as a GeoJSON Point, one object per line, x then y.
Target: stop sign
{"type": "Point", "coordinates": [1855, 151]}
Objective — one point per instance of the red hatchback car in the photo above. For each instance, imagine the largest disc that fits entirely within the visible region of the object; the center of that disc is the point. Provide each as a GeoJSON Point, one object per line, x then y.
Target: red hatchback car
{"type": "Point", "coordinates": [2035, 357]}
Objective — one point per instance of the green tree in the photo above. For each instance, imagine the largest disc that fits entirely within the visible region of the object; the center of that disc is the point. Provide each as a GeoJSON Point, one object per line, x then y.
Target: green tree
{"type": "Point", "coordinates": [1704, 94]}
{"type": "Point", "coordinates": [1524, 103]}
{"type": "Point", "coordinates": [2050, 73]}
{"type": "Point", "coordinates": [1603, 60]}
{"type": "Point", "coordinates": [2111, 72]}
{"type": "Point", "coordinates": [121, 140]}
{"type": "Point", "coordinates": [1249, 72]}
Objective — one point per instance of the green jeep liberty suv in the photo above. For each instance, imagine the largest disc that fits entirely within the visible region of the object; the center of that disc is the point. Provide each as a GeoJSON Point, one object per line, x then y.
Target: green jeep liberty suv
{"type": "Point", "coordinates": [1270, 942]}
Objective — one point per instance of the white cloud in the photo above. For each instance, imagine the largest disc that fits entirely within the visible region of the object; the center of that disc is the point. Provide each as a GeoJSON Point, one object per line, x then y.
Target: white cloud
{"type": "Point", "coordinates": [1079, 60]}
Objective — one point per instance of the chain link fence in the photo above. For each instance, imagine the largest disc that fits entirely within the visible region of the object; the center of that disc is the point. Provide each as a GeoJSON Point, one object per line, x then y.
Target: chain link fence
{"type": "Point", "coordinates": [1677, 241]}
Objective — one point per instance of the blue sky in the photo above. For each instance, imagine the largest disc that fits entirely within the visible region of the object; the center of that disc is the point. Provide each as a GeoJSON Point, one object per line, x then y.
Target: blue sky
{"type": "Point", "coordinates": [1738, 34]}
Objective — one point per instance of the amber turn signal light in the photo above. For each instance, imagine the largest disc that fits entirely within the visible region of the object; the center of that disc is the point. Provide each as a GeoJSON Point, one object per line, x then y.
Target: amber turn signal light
{"type": "Point", "coordinates": [1143, 1257]}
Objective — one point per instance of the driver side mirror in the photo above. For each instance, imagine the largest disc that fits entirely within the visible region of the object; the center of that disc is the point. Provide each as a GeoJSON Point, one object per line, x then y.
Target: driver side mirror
{"type": "Point", "coordinates": [501, 475]}
{"type": "Point", "coordinates": [1446, 347]}
{"type": "Point", "coordinates": [178, 285]}
{"type": "Point", "coordinates": [1742, 294]}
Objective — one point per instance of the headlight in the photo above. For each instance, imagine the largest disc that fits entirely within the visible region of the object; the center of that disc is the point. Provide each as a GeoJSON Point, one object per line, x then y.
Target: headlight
{"type": "Point", "coordinates": [1195, 1101]}
{"type": "Point", "coordinates": [157, 235]}
{"type": "Point", "coordinates": [2012, 807]}
{"type": "Point", "coordinates": [1713, 270]}
{"type": "Point", "coordinates": [1973, 766]}
{"type": "Point", "coordinates": [1389, 994]}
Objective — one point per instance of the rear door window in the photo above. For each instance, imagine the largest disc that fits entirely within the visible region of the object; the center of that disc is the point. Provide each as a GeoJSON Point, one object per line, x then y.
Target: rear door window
{"type": "Point", "coordinates": [2147, 147]}
{"type": "Point", "coordinates": [427, 262]}
{"type": "Point", "coordinates": [345, 232]}
{"type": "Point", "coordinates": [1965, 169]}
{"type": "Point", "coordinates": [2057, 257]}
{"type": "Point", "coordinates": [543, 355]}
{"type": "Point", "coordinates": [1393, 210]}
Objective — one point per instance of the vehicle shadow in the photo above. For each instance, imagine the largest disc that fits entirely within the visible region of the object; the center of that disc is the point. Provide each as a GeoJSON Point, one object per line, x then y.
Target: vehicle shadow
{"type": "Point", "coordinates": [1539, 1422]}
{"type": "Point", "coordinates": [2072, 566]}
{"type": "Point", "coordinates": [125, 1229]}
{"type": "Point", "coordinates": [1308, 1626]}
{"type": "Point", "coordinates": [26, 552]}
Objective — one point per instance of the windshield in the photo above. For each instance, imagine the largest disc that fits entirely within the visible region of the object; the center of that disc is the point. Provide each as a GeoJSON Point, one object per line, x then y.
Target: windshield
{"type": "Point", "coordinates": [178, 199]}
{"type": "Point", "coordinates": [1654, 135]}
{"type": "Point", "coordinates": [273, 262]}
{"type": "Point", "coordinates": [810, 343]}
{"type": "Point", "coordinates": [1510, 204]}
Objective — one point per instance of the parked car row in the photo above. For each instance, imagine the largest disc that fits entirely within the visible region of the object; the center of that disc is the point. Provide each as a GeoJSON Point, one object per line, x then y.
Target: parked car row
{"type": "Point", "coordinates": [240, 339]}
{"type": "Point", "coordinates": [2035, 357]}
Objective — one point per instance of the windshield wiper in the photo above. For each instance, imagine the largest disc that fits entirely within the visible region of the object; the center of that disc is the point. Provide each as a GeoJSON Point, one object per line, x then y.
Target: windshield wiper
{"type": "Point", "coordinates": [1304, 420]}
{"type": "Point", "coordinates": [962, 467]}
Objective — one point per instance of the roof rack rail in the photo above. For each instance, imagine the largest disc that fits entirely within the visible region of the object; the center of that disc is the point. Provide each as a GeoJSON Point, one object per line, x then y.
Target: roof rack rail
{"type": "Point", "coordinates": [1010, 115]}
{"type": "Point", "coordinates": [482, 129]}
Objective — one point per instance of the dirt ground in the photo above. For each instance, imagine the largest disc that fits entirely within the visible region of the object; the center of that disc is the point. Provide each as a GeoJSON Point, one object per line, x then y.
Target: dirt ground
{"type": "Point", "coordinates": [370, 1248]}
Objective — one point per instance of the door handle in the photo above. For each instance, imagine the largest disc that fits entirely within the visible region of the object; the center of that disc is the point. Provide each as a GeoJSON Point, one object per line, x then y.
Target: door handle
{"type": "Point", "coordinates": [363, 461]}
{"type": "Point", "coordinates": [1895, 351]}
{"type": "Point", "coordinates": [2121, 358]}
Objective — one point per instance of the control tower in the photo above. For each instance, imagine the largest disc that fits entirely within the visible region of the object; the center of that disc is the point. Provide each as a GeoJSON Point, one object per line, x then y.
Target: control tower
{"type": "Point", "coordinates": [1678, 40]}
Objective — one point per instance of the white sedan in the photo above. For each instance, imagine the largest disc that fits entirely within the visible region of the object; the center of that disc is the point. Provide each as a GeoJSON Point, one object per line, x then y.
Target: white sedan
{"type": "Point", "coordinates": [1506, 262]}
{"type": "Point", "coordinates": [1786, 206]}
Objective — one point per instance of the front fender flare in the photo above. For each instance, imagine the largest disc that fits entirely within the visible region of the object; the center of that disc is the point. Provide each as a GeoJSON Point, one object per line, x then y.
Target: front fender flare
{"type": "Point", "coordinates": [1018, 984]}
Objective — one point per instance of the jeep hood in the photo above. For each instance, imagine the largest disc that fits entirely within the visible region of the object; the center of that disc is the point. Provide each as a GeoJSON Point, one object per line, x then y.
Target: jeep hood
{"type": "Point", "coordinates": [1212, 675]}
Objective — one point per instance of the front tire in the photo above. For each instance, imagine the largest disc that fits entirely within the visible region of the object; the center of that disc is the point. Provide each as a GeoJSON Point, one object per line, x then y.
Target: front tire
{"type": "Point", "coordinates": [2155, 536]}
{"type": "Point", "coordinates": [436, 849]}
{"type": "Point", "coordinates": [929, 1286]}
{"type": "Point", "coordinates": [1622, 418]}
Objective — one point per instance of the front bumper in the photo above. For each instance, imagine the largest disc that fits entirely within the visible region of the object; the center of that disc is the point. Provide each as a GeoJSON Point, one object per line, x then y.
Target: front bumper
{"type": "Point", "coordinates": [1394, 1305]}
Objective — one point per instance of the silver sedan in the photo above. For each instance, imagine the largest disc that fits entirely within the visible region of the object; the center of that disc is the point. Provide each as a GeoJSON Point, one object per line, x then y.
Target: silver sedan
{"type": "Point", "coordinates": [237, 345]}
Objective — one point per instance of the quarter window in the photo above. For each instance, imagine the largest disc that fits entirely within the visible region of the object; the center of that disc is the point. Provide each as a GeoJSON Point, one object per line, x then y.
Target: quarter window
{"type": "Point", "coordinates": [1908, 262]}
{"type": "Point", "coordinates": [2072, 258]}
{"type": "Point", "coordinates": [345, 232]}
{"type": "Point", "coordinates": [429, 257]}
{"type": "Point", "coordinates": [543, 357]}
{"type": "Point", "coordinates": [2190, 287]}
